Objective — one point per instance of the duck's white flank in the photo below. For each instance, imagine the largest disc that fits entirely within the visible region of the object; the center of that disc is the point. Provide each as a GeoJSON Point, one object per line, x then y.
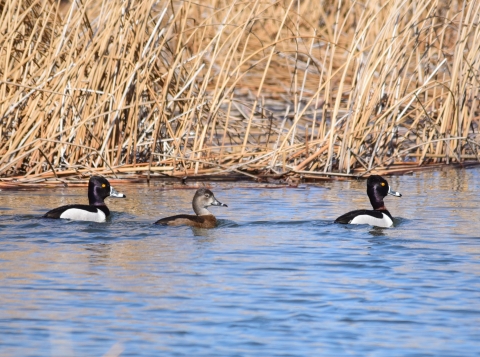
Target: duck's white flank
{"type": "Point", "coordinates": [81, 215]}
{"type": "Point", "coordinates": [385, 221]}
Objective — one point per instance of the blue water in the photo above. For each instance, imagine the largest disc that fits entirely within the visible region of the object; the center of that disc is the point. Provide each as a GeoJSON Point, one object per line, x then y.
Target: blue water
{"type": "Point", "coordinates": [276, 278]}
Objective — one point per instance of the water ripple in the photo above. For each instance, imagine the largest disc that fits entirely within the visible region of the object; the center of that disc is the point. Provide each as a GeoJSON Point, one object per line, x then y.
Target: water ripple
{"type": "Point", "coordinates": [277, 277]}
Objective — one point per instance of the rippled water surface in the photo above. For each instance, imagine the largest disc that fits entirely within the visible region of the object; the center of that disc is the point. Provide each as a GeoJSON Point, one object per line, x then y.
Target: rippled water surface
{"type": "Point", "coordinates": [276, 278]}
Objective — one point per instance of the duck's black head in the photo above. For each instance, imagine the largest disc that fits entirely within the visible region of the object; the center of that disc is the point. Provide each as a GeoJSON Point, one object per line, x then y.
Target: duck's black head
{"type": "Point", "coordinates": [98, 189]}
{"type": "Point", "coordinates": [377, 189]}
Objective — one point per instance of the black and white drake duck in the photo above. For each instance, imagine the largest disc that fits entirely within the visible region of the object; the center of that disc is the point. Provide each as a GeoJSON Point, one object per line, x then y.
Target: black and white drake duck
{"type": "Point", "coordinates": [96, 211]}
{"type": "Point", "coordinates": [204, 218]}
{"type": "Point", "coordinates": [377, 189]}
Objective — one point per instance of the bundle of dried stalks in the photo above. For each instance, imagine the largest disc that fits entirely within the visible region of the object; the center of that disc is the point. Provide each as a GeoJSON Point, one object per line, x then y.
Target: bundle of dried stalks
{"type": "Point", "coordinates": [182, 88]}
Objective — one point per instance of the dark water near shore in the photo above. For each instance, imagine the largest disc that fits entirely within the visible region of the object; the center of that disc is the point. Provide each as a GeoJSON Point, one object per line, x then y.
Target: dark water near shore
{"type": "Point", "coordinates": [276, 278]}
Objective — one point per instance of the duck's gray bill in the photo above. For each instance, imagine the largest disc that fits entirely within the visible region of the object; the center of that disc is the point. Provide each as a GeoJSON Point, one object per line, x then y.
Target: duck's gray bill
{"type": "Point", "coordinates": [115, 193]}
{"type": "Point", "coordinates": [218, 203]}
{"type": "Point", "coordinates": [394, 193]}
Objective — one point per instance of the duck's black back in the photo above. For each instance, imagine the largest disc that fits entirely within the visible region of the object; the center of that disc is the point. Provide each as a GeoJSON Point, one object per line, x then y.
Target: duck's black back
{"type": "Point", "coordinates": [57, 212]}
{"type": "Point", "coordinates": [348, 217]}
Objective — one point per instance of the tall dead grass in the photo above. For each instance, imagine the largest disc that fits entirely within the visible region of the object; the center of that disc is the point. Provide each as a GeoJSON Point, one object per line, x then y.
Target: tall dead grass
{"type": "Point", "coordinates": [184, 88]}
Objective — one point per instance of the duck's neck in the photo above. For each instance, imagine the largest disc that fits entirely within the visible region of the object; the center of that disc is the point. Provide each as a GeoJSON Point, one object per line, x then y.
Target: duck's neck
{"type": "Point", "coordinates": [200, 210]}
{"type": "Point", "coordinates": [376, 199]}
{"type": "Point", "coordinates": [377, 204]}
{"type": "Point", "coordinates": [94, 201]}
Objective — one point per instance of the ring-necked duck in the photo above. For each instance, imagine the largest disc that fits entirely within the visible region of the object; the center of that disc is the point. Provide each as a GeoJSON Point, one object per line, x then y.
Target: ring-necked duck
{"type": "Point", "coordinates": [204, 219]}
{"type": "Point", "coordinates": [96, 211]}
{"type": "Point", "coordinates": [377, 189]}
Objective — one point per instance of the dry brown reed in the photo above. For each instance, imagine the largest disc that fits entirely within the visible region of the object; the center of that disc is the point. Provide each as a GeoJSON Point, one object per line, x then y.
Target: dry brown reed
{"type": "Point", "coordinates": [184, 88]}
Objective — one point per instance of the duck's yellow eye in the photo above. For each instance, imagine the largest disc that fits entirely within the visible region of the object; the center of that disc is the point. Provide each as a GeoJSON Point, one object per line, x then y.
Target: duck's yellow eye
{"type": "Point", "coordinates": [103, 185]}
{"type": "Point", "coordinates": [382, 183]}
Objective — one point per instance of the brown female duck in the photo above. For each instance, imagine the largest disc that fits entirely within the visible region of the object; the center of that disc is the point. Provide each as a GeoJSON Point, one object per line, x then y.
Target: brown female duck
{"type": "Point", "coordinates": [204, 218]}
